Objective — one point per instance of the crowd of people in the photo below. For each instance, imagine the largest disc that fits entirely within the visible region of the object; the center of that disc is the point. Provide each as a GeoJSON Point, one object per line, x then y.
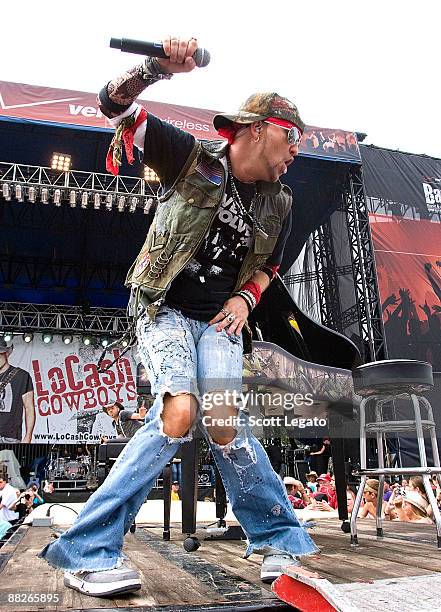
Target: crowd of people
{"type": "Point", "coordinates": [15, 505]}
{"type": "Point", "coordinates": [402, 501]}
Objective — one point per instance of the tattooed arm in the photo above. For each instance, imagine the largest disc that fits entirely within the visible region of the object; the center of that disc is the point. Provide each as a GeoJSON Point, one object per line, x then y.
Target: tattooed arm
{"type": "Point", "coordinates": [117, 96]}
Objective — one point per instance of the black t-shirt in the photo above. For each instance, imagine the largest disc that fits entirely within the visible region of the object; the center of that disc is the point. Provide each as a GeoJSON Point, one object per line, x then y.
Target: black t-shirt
{"type": "Point", "coordinates": [11, 401]}
{"type": "Point", "coordinates": [208, 279]}
{"type": "Point", "coordinates": [125, 426]}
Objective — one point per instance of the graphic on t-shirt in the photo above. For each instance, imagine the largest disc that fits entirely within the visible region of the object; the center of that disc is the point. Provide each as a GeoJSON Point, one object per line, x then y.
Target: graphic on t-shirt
{"type": "Point", "coordinates": [14, 384]}
{"type": "Point", "coordinates": [6, 399]}
{"type": "Point", "coordinates": [226, 243]}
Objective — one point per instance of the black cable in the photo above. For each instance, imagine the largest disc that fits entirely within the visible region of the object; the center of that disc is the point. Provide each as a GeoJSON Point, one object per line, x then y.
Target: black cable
{"type": "Point", "coordinates": [48, 511]}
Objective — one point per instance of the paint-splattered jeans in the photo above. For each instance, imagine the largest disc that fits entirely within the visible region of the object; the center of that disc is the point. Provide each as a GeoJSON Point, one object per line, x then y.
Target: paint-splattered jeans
{"type": "Point", "coordinates": [182, 354]}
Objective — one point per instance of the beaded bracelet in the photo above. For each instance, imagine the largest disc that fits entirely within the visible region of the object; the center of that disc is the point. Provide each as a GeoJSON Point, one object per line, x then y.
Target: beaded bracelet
{"type": "Point", "coordinates": [248, 297]}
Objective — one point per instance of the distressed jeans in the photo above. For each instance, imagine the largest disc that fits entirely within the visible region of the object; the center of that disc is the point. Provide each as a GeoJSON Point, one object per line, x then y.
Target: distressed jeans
{"type": "Point", "coordinates": [182, 355]}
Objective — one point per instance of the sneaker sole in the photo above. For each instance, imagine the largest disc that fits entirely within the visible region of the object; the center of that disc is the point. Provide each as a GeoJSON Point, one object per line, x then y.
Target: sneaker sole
{"type": "Point", "coordinates": [269, 576]}
{"type": "Point", "coordinates": [102, 589]}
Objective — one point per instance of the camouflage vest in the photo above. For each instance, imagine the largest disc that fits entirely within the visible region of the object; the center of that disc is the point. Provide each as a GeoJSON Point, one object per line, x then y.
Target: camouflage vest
{"type": "Point", "coordinates": [184, 215]}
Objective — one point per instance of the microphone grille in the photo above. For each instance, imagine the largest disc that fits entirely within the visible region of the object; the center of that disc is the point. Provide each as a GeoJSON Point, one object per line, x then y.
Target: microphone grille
{"type": "Point", "coordinates": [201, 57]}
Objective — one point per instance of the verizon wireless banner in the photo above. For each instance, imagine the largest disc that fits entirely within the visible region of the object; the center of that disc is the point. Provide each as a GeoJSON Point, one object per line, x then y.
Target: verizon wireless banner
{"type": "Point", "coordinates": [80, 108]}
{"type": "Point", "coordinates": [53, 393]}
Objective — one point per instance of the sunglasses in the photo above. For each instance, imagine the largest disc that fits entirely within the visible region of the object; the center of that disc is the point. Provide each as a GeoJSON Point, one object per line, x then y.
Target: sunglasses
{"type": "Point", "coordinates": [294, 134]}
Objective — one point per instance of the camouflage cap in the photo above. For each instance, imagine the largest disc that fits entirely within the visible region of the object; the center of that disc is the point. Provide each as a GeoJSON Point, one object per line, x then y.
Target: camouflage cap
{"type": "Point", "coordinates": [261, 106]}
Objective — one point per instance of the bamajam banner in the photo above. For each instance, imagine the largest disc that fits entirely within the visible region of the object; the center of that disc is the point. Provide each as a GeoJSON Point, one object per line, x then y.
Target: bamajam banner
{"type": "Point", "coordinates": [80, 108]}
{"type": "Point", "coordinates": [53, 393]}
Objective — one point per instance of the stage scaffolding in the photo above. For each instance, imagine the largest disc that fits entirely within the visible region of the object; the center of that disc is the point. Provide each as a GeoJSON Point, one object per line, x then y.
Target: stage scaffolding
{"type": "Point", "coordinates": [19, 317]}
{"type": "Point", "coordinates": [96, 190]}
{"type": "Point", "coordinates": [20, 182]}
{"type": "Point", "coordinates": [365, 312]}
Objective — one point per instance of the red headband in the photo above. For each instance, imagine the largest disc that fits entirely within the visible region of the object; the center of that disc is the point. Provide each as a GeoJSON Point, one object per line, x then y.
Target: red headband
{"type": "Point", "coordinates": [283, 123]}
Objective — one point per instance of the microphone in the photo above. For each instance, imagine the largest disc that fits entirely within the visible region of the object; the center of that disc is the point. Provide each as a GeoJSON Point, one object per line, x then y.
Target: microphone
{"type": "Point", "coordinates": [155, 49]}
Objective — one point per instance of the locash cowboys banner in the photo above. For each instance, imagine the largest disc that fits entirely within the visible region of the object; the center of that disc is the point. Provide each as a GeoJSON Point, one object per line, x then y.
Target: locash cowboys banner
{"type": "Point", "coordinates": [53, 393]}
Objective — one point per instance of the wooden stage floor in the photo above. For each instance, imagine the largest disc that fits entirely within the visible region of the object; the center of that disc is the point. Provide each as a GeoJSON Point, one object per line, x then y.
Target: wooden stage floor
{"type": "Point", "coordinates": [217, 577]}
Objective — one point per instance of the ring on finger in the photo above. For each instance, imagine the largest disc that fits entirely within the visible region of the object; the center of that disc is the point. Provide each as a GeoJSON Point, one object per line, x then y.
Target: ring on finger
{"type": "Point", "coordinates": [230, 318]}
{"type": "Point", "coordinates": [225, 312]}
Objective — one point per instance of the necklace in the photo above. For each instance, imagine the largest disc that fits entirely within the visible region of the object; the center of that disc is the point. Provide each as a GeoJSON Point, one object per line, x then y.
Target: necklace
{"type": "Point", "coordinates": [244, 212]}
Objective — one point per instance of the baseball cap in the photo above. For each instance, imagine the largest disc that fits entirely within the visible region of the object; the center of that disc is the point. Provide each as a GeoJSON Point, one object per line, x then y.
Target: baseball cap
{"type": "Point", "coordinates": [289, 480]}
{"type": "Point", "coordinates": [326, 477]}
{"type": "Point", "coordinates": [261, 106]}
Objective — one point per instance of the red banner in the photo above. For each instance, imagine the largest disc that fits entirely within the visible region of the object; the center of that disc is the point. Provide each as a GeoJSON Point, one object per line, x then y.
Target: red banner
{"type": "Point", "coordinates": [80, 108]}
{"type": "Point", "coordinates": [408, 257]}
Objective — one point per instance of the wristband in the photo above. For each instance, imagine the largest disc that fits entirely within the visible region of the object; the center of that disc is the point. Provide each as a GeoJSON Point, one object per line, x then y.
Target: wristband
{"type": "Point", "coordinates": [270, 271]}
{"type": "Point", "coordinates": [254, 289]}
{"type": "Point", "coordinates": [151, 71]}
{"type": "Point", "coordinates": [248, 299]}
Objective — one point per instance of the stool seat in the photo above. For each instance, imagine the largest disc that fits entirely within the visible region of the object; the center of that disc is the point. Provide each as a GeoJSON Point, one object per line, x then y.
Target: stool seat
{"type": "Point", "coordinates": [393, 376]}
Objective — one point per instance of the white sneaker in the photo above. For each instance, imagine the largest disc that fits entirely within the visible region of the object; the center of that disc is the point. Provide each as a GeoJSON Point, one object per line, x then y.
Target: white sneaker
{"type": "Point", "coordinates": [272, 566]}
{"type": "Point", "coordinates": [122, 579]}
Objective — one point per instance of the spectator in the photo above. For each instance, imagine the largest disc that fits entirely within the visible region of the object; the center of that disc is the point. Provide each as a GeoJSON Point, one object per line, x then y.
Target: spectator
{"type": "Point", "coordinates": [350, 499]}
{"type": "Point", "coordinates": [24, 505]}
{"type": "Point", "coordinates": [326, 487]}
{"type": "Point", "coordinates": [312, 483]}
{"type": "Point", "coordinates": [411, 508]}
{"type": "Point", "coordinates": [370, 499]}
{"type": "Point", "coordinates": [175, 491]}
{"type": "Point", "coordinates": [387, 491]}
{"type": "Point", "coordinates": [297, 494]}
{"type": "Point", "coordinates": [8, 499]}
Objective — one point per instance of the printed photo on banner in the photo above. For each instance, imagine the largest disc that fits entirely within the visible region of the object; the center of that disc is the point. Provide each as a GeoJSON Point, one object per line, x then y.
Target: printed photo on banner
{"type": "Point", "coordinates": [53, 393]}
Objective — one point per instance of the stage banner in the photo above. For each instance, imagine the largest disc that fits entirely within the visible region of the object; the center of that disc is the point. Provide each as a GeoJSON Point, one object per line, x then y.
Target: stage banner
{"type": "Point", "coordinates": [402, 180]}
{"type": "Point", "coordinates": [408, 258]}
{"type": "Point", "coordinates": [80, 108]}
{"type": "Point", "coordinates": [53, 393]}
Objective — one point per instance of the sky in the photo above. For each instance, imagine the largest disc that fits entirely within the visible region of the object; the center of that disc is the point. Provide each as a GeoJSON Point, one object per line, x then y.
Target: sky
{"type": "Point", "coordinates": [365, 66]}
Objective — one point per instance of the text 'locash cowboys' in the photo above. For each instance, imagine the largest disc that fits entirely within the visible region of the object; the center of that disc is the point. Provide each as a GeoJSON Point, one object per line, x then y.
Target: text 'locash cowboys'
{"type": "Point", "coordinates": [74, 385]}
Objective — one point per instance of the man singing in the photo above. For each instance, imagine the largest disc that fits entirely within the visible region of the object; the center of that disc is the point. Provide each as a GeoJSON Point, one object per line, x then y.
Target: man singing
{"type": "Point", "coordinates": [214, 245]}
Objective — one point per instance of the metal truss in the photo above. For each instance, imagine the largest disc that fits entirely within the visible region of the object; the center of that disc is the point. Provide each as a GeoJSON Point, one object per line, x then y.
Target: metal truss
{"type": "Point", "coordinates": [21, 317]}
{"type": "Point", "coordinates": [47, 273]}
{"type": "Point", "coordinates": [367, 304]}
{"type": "Point", "coordinates": [311, 275]}
{"type": "Point", "coordinates": [327, 281]}
{"type": "Point", "coordinates": [76, 188]}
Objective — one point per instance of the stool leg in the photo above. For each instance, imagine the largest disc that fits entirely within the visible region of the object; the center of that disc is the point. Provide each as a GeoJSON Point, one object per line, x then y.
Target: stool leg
{"type": "Point", "coordinates": [434, 441]}
{"type": "Point", "coordinates": [355, 510]}
{"type": "Point", "coordinates": [380, 457]}
{"type": "Point", "coordinates": [189, 463]}
{"type": "Point", "coordinates": [423, 459]}
{"type": "Point", "coordinates": [363, 460]}
{"type": "Point", "coordinates": [166, 490]}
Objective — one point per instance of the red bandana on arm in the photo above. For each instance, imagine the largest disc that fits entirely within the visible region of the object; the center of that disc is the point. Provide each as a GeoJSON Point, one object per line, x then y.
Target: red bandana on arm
{"type": "Point", "coordinates": [124, 134]}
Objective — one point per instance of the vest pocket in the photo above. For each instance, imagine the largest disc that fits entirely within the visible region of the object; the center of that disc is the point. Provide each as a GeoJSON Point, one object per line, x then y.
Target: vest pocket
{"type": "Point", "coordinates": [265, 246]}
{"type": "Point", "coordinates": [195, 196]}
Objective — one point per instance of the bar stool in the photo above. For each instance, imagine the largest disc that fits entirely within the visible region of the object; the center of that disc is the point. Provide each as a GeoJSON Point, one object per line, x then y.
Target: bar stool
{"type": "Point", "coordinates": [378, 383]}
